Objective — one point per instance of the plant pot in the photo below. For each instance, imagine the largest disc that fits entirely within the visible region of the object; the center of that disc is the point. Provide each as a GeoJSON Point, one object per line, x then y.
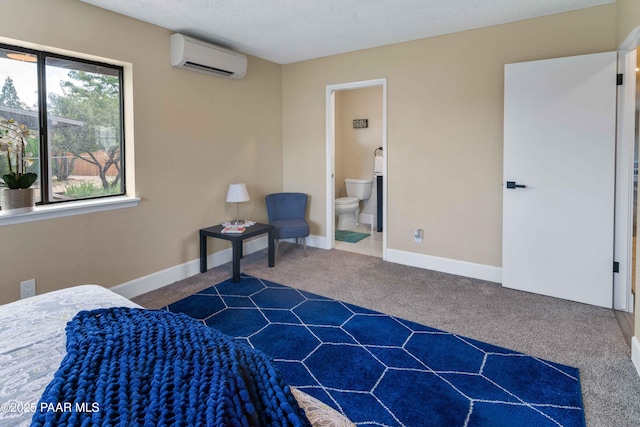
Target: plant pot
{"type": "Point", "coordinates": [19, 200]}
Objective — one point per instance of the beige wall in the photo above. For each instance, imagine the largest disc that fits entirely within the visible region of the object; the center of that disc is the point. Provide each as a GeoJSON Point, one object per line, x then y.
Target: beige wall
{"type": "Point", "coordinates": [445, 108]}
{"type": "Point", "coordinates": [628, 18]}
{"type": "Point", "coordinates": [337, 141]}
{"type": "Point", "coordinates": [357, 145]}
{"type": "Point", "coordinates": [194, 134]}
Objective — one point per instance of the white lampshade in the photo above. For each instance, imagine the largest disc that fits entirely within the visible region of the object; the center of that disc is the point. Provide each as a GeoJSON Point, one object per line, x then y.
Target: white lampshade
{"type": "Point", "coordinates": [237, 193]}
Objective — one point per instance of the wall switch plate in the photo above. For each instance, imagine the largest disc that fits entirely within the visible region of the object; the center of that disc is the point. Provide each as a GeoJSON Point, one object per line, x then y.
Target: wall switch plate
{"type": "Point", "coordinates": [417, 235]}
{"type": "Point", "coordinates": [28, 288]}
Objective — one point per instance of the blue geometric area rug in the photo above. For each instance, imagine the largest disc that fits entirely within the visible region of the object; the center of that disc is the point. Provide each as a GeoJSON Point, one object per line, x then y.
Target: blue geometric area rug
{"type": "Point", "coordinates": [381, 370]}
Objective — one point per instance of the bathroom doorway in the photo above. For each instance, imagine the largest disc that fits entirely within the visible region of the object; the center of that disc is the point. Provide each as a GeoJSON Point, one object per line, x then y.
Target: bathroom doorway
{"type": "Point", "coordinates": [626, 176]}
{"type": "Point", "coordinates": [626, 190]}
{"type": "Point", "coordinates": [353, 141]}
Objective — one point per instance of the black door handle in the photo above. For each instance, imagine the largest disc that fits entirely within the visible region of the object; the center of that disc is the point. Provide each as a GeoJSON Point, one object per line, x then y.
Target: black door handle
{"type": "Point", "coordinates": [512, 184]}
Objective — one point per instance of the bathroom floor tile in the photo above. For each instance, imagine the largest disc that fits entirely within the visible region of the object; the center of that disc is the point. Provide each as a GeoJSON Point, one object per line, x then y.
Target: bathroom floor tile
{"type": "Point", "coordinates": [371, 245]}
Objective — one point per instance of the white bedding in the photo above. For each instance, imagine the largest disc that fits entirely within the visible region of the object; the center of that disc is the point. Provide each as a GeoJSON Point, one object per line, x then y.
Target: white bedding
{"type": "Point", "coordinates": [33, 343]}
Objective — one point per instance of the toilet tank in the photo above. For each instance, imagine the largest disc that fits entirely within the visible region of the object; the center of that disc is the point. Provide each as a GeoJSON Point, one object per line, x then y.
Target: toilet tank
{"type": "Point", "coordinates": [360, 188]}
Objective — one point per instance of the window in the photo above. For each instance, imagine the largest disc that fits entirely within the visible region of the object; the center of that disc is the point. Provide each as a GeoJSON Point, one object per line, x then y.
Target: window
{"type": "Point", "coordinates": [74, 111]}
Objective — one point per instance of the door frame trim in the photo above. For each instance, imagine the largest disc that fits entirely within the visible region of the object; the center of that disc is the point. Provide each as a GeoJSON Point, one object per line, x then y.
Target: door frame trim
{"type": "Point", "coordinates": [623, 233]}
{"type": "Point", "coordinates": [331, 154]}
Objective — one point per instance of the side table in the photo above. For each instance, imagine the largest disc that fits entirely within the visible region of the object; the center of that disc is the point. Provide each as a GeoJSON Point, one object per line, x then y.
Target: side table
{"type": "Point", "coordinates": [236, 244]}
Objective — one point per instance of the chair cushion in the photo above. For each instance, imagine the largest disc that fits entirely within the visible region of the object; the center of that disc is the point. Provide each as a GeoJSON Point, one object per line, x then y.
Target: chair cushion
{"type": "Point", "coordinates": [289, 228]}
{"type": "Point", "coordinates": [286, 206]}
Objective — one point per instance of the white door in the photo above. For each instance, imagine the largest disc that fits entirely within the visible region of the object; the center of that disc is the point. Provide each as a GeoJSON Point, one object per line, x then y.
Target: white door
{"type": "Point", "coordinates": [559, 142]}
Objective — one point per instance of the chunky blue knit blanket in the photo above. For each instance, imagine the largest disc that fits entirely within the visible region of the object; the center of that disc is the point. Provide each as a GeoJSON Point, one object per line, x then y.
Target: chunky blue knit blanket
{"type": "Point", "coordinates": [134, 367]}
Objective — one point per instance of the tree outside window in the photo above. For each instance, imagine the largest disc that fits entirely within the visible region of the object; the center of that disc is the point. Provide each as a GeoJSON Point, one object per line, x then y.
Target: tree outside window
{"type": "Point", "coordinates": [82, 148]}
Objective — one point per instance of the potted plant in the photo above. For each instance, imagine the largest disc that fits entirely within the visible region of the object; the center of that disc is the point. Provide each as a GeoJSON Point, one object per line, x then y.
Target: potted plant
{"type": "Point", "coordinates": [18, 196]}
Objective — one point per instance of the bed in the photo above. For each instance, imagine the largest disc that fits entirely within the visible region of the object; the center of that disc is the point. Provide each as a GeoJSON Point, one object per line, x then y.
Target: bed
{"type": "Point", "coordinates": [33, 343]}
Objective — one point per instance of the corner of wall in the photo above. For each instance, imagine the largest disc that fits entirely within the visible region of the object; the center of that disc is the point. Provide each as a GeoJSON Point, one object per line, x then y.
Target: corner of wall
{"type": "Point", "coordinates": [165, 277]}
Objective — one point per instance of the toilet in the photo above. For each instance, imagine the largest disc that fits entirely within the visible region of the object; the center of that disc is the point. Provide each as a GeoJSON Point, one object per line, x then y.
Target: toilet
{"type": "Point", "coordinates": [348, 208]}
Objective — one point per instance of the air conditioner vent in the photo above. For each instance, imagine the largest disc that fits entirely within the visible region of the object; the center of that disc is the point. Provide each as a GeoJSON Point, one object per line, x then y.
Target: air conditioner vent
{"type": "Point", "coordinates": [197, 55]}
{"type": "Point", "coordinates": [190, 64]}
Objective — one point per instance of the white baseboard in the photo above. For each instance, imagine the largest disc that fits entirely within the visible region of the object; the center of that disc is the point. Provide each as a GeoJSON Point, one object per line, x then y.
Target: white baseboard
{"type": "Point", "coordinates": [170, 275]}
{"type": "Point", "coordinates": [156, 280]}
{"type": "Point", "coordinates": [446, 265]}
{"type": "Point", "coordinates": [366, 218]}
{"type": "Point", "coordinates": [318, 242]}
{"type": "Point", "coordinates": [635, 353]}
{"type": "Point", "coordinates": [313, 241]}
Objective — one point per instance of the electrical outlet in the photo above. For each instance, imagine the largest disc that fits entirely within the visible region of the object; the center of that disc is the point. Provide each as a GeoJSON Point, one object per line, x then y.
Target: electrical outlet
{"type": "Point", "coordinates": [28, 288]}
{"type": "Point", "coordinates": [417, 235]}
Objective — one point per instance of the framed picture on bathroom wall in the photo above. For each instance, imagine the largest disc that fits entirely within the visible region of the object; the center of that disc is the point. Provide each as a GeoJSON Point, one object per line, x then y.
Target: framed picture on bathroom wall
{"type": "Point", "coordinates": [360, 123]}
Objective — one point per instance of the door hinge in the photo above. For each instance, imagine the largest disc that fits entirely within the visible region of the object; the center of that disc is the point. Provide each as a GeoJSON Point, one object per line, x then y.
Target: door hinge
{"type": "Point", "coordinates": [616, 267]}
{"type": "Point", "coordinates": [619, 79]}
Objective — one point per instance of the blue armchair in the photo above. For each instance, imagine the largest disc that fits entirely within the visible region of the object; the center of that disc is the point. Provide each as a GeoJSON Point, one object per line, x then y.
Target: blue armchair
{"type": "Point", "coordinates": [286, 212]}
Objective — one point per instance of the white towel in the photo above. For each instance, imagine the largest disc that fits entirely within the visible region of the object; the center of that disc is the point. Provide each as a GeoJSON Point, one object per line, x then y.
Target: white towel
{"type": "Point", "coordinates": [378, 164]}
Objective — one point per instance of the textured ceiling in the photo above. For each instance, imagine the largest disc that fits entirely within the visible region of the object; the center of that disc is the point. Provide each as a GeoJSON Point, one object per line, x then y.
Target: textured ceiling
{"type": "Point", "coordinates": [286, 31]}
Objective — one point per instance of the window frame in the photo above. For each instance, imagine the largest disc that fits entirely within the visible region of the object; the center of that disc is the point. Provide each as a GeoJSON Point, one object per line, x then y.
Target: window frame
{"type": "Point", "coordinates": [65, 208]}
{"type": "Point", "coordinates": [43, 116]}
{"type": "Point", "coordinates": [44, 139]}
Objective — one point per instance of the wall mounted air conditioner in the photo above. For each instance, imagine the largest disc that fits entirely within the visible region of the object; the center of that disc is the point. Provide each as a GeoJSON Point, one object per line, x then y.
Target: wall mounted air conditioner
{"type": "Point", "coordinates": [197, 55]}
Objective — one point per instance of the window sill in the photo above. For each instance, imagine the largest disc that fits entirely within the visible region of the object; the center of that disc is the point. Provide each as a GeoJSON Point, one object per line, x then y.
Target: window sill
{"type": "Point", "coordinates": [61, 210]}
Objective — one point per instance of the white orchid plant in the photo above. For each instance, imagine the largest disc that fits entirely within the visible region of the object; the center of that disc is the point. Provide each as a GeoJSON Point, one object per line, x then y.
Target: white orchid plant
{"type": "Point", "coordinates": [13, 144]}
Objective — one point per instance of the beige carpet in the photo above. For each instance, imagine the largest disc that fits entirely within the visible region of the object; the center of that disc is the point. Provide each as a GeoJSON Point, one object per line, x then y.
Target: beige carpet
{"type": "Point", "coordinates": [561, 331]}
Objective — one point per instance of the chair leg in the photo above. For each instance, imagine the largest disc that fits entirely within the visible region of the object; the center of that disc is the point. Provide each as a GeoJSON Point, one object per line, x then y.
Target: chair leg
{"type": "Point", "coordinates": [304, 245]}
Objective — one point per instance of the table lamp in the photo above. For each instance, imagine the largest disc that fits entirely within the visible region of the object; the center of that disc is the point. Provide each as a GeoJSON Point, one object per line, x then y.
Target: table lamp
{"type": "Point", "coordinates": [237, 193]}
